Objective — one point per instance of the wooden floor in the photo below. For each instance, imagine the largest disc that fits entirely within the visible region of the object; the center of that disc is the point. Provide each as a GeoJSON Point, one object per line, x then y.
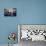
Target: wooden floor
{"type": "Point", "coordinates": [30, 43]}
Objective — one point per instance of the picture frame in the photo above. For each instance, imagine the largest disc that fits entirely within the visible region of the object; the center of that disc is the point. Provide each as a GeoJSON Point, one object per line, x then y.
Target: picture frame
{"type": "Point", "coordinates": [10, 12]}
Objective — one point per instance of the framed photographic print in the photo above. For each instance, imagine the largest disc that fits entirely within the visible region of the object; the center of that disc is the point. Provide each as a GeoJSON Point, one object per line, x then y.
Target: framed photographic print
{"type": "Point", "coordinates": [9, 11]}
{"type": "Point", "coordinates": [32, 32]}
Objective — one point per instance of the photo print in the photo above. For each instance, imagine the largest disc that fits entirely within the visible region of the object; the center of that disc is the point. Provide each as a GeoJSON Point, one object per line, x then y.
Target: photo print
{"type": "Point", "coordinates": [9, 11]}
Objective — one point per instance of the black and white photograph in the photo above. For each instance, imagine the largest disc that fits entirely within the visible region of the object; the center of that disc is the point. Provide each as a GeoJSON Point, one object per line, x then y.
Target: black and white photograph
{"type": "Point", "coordinates": [9, 11]}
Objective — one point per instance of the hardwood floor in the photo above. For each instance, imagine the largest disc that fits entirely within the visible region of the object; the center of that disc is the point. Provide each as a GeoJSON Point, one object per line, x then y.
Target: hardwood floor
{"type": "Point", "coordinates": [30, 43]}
